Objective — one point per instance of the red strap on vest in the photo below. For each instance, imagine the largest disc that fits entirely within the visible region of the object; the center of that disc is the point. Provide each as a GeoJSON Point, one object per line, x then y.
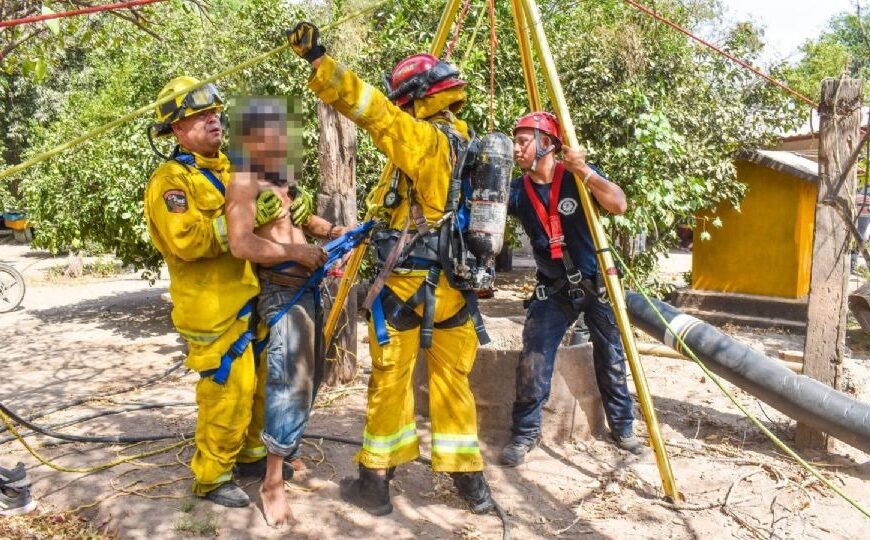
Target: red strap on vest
{"type": "Point", "coordinates": [551, 222]}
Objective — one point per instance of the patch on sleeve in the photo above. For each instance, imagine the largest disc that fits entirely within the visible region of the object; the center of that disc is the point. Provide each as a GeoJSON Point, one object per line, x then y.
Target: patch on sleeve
{"type": "Point", "coordinates": [176, 201]}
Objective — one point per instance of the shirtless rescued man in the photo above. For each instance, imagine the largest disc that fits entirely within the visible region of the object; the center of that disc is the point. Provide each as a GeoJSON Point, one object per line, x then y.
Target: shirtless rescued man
{"type": "Point", "coordinates": [293, 356]}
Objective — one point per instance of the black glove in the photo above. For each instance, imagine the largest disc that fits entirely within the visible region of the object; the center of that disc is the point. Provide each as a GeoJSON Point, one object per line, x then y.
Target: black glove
{"type": "Point", "coordinates": [303, 40]}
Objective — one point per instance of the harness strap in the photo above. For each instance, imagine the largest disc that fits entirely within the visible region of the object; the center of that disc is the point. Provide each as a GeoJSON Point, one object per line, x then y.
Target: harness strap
{"type": "Point", "coordinates": [189, 160]}
{"type": "Point", "coordinates": [389, 264]}
{"type": "Point", "coordinates": [429, 286]}
{"type": "Point", "coordinates": [551, 221]}
{"type": "Point", "coordinates": [402, 317]}
{"type": "Point", "coordinates": [476, 317]}
{"type": "Point", "coordinates": [419, 219]}
{"type": "Point", "coordinates": [380, 322]}
{"type": "Point", "coordinates": [222, 372]}
{"type": "Point", "coordinates": [335, 249]}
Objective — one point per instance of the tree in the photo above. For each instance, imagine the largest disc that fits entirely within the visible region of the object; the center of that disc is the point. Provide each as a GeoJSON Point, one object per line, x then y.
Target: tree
{"type": "Point", "coordinates": [660, 115]}
{"type": "Point", "coordinates": [842, 49]}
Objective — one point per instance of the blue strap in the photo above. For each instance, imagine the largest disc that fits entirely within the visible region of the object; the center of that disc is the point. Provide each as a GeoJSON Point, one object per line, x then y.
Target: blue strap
{"type": "Point", "coordinates": [222, 373]}
{"type": "Point", "coordinates": [313, 281]}
{"type": "Point", "coordinates": [189, 160]}
{"type": "Point", "coordinates": [380, 322]}
{"type": "Point", "coordinates": [335, 250]}
{"type": "Point", "coordinates": [246, 310]}
{"type": "Point", "coordinates": [260, 345]}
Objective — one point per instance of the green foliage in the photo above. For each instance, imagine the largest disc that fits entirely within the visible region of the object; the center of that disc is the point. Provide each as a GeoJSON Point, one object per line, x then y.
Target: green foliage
{"type": "Point", "coordinates": [94, 193]}
{"type": "Point", "coordinates": [663, 117]}
{"type": "Point", "coordinates": [842, 49]}
{"type": "Point", "coordinates": [659, 115]}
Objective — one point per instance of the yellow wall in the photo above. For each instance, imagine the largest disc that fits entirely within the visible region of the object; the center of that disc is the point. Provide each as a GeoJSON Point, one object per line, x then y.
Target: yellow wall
{"type": "Point", "coordinates": [765, 249]}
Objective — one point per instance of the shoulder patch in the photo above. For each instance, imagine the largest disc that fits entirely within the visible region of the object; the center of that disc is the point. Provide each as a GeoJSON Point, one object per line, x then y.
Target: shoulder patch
{"type": "Point", "coordinates": [176, 201]}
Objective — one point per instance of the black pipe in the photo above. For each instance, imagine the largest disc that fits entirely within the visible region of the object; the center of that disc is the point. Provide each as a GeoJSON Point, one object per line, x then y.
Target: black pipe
{"type": "Point", "coordinates": [796, 396]}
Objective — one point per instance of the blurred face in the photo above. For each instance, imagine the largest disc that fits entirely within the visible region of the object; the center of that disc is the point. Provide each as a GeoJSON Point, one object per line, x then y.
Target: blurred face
{"type": "Point", "coordinates": [525, 147]}
{"type": "Point", "coordinates": [267, 147]}
{"type": "Point", "coordinates": [201, 133]}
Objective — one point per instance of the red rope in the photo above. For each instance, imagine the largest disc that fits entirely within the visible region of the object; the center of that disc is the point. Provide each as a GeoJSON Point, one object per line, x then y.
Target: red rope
{"type": "Point", "coordinates": [82, 11]}
{"type": "Point", "coordinates": [457, 29]}
{"type": "Point", "coordinates": [734, 59]}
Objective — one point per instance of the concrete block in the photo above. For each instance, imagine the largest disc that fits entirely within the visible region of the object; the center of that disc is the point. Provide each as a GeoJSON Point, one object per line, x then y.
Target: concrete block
{"type": "Point", "coordinates": [573, 412]}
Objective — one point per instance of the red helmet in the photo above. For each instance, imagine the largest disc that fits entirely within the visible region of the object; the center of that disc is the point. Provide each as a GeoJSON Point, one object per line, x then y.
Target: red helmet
{"type": "Point", "coordinates": [418, 76]}
{"type": "Point", "coordinates": [543, 121]}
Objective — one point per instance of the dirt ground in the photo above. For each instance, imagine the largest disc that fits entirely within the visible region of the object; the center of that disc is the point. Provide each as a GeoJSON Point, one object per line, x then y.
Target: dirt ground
{"type": "Point", "coordinates": [88, 339]}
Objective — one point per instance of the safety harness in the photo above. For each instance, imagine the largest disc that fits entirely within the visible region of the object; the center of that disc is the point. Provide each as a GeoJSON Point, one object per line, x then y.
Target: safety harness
{"type": "Point", "coordinates": [190, 161]}
{"type": "Point", "coordinates": [551, 221]}
{"type": "Point", "coordinates": [335, 251]}
{"type": "Point", "coordinates": [437, 247]}
{"type": "Point", "coordinates": [552, 224]}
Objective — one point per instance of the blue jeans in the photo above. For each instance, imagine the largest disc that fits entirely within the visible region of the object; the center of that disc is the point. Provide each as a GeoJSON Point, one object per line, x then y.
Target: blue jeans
{"type": "Point", "coordinates": [546, 324]}
{"type": "Point", "coordinates": [294, 367]}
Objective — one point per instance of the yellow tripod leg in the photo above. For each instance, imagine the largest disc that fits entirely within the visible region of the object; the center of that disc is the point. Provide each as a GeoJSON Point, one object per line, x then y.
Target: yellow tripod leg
{"type": "Point", "coordinates": [351, 270]}
{"type": "Point", "coordinates": [605, 259]}
{"type": "Point", "coordinates": [526, 55]}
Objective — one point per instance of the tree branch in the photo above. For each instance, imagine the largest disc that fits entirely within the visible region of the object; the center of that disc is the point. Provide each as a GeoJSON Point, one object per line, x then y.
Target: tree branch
{"type": "Point", "coordinates": [10, 47]}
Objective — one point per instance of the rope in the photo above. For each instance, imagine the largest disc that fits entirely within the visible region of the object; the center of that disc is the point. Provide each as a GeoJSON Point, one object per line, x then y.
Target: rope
{"type": "Point", "coordinates": [731, 57]}
{"type": "Point", "coordinates": [493, 44]}
{"type": "Point", "coordinates": [83, 11]}
{"type": "Point", "coordinates": [456, 30]}
{"type": "Point", "coordinates": [473, 41]}
{"type": "Point", "coordinates": [95, 468]}
{"type": "Point", "coordinates": [151, 106]}
{"type": "Point", "coordinates": [712, 376]}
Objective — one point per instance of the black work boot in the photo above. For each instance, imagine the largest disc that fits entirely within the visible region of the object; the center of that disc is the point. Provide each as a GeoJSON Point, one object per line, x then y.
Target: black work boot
{"type": "Point", "coordinates": [473, 488]}
{"type": "Point", "coordinates": [515, 452]}
{"type": "Point", "coordinates": [629, 442]}
{"type": "Point", "coordinates": [229, 495]}
{"type": "Point", "coordinates": [370, 491]}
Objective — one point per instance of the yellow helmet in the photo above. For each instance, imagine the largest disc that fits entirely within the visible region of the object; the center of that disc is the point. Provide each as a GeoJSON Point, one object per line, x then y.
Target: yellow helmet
{"type": "Point", "coordinates": [202, 98]}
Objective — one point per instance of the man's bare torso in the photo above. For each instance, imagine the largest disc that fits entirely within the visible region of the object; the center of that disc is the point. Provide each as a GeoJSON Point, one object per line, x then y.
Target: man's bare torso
{"type": "Point", "coordinates": [281, 230]}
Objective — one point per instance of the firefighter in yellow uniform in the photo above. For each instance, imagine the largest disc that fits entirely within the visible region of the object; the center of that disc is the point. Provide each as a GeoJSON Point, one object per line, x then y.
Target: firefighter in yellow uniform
{"type": "Point", "coordinates": [211, 290]}
{"type": "Point", "coordinates": [411, 131]}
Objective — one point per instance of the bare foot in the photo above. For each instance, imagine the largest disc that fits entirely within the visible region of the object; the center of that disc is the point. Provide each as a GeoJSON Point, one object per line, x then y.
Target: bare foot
{"type": "Point", "coordinates": [298, 465]}
{"type": "Point", "coordinates": [276, 509]}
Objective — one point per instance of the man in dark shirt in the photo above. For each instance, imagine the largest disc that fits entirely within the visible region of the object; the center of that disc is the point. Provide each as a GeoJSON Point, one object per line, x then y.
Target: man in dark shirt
{"type": "Point", "coordinates": [547, 203]}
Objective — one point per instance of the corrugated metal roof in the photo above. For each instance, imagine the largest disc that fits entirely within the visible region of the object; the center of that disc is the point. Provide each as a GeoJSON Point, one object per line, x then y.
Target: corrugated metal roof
{"type": "Point", "coordinates": [786, 162]}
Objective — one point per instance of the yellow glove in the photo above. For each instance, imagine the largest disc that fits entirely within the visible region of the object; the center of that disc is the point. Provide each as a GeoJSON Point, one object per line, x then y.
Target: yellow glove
{"type": "Point", "coordinates": [379, 212]}
{"type": "Point", "coordinates": [302, 207]}
{"type": "Point", "coordinates": [303, 40]}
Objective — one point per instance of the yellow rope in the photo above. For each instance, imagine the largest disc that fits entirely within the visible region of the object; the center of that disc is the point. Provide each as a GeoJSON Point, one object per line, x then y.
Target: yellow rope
{"type": "Point", "coordinates": [11, 427]}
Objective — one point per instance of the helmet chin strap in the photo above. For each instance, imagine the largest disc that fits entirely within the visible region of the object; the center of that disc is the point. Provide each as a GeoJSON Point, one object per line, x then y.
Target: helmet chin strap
{"type": "Point", "coordinates": [540, 151]}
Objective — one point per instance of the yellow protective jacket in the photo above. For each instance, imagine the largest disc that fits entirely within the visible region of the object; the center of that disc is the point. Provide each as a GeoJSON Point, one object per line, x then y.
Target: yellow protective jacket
{"type": "Point", "coordinates": [209, 286]}
{"type": "Point", "coordinates": [416, 147]}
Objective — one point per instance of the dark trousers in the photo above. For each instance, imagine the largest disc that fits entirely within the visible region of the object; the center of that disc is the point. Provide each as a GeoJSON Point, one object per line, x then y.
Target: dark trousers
{"type": "Point", "coordinates": [546, 324]}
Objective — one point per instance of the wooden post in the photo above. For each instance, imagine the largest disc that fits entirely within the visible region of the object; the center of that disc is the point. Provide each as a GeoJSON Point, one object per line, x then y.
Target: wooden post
{"type": "Point", "coordinates": [824, 349]}
{"type": "Point", "coordinates": [336, 202]}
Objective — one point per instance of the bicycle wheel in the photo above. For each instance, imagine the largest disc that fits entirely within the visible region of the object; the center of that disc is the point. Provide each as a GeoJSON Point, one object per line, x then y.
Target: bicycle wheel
{"type": "Point", "coordinates": [11, 288]}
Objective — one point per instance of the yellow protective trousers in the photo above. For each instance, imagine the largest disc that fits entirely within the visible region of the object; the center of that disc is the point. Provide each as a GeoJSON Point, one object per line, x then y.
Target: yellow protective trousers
{"type": "Point", "coordinates": [390, 436]}
{"type": "Point", "coordinates": [229, 420]}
